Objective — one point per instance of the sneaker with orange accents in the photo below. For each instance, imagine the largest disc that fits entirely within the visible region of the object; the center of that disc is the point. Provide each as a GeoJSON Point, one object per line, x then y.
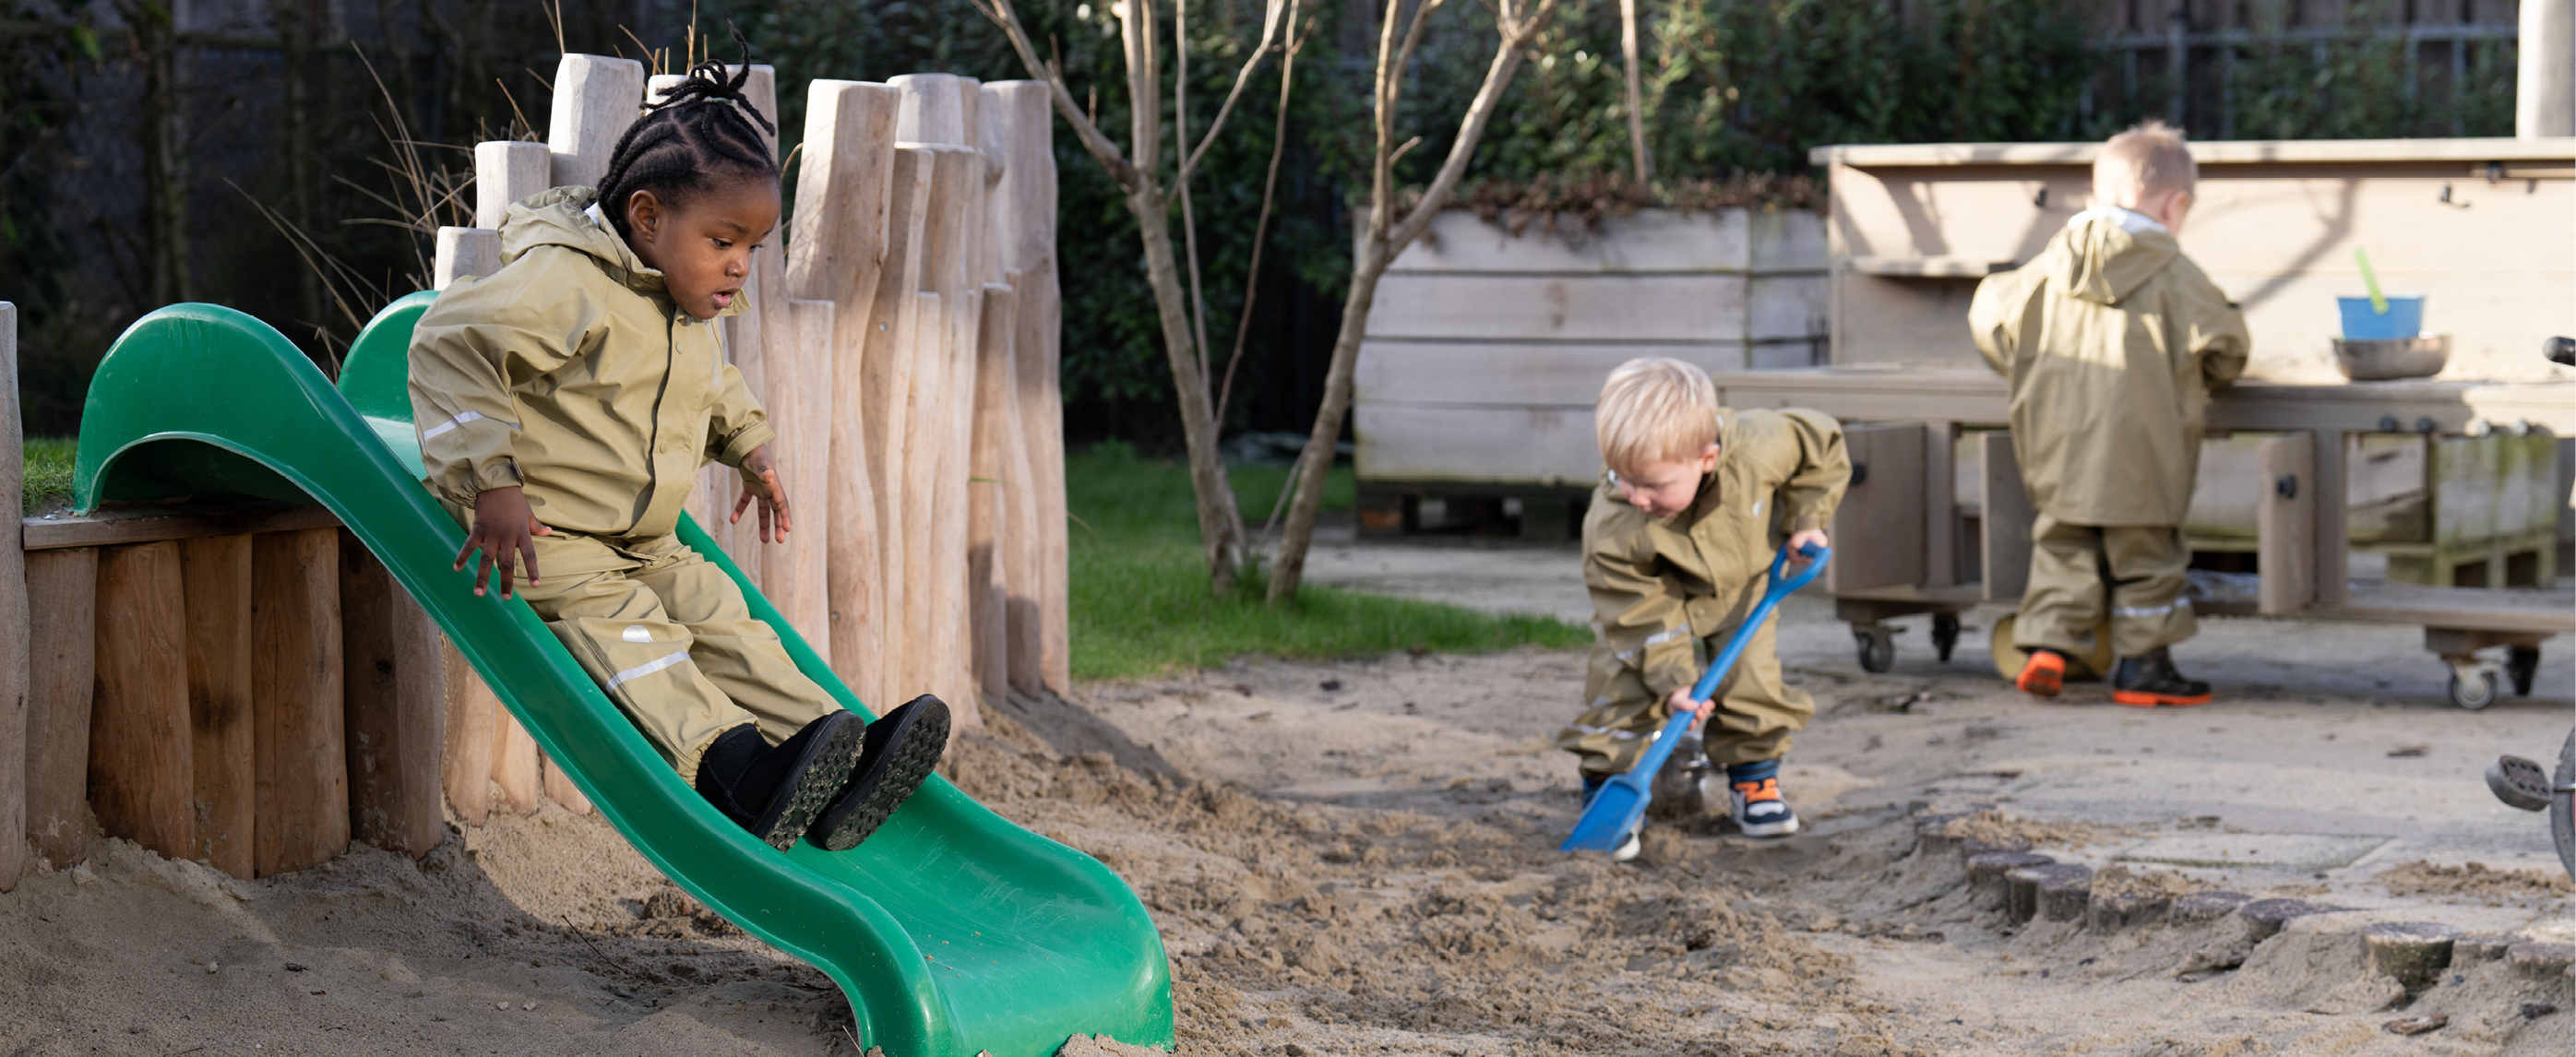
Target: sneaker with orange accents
{"type": "Point", "coordinates": [2044, 674]}
{"type": "Point", "coordinates": [2150, 680]}
{"type": "Point", "coordinates": [1754, 790]}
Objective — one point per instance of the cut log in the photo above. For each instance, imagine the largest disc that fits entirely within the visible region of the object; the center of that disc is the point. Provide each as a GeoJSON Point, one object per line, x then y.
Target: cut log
{"type": "Point", "coordinates": [505, 172]}
{"type": "Point", "coordinates": [2263, 917]}
{"type": "Point", "coordinates": [1986, 884]}
{"type": "Point", "coordinates": [217, 570]}
{"type": "Point", "coordinates": [465, 253]}
{"type": "Point", "coordinates": [559, 787]}
{"type": "Point", "coordinates": [2205, 906]}
{"type": "Point", "coordinates": [839, 255]}
{"type": "Point", "coordinates": [886, 379]}
{"type": "Point", "coordinates": [940, 422]}
{"type": "Point", "coordinates": [300, 753]}
{"type": "Point", "coordinates": [2055, 891]}
{"type": "Point", "coordinates": [14, 635]}
{"type": "Point", "coordinates": [2414, 952]}
{"type": "Point", "coordinates": [140, 763]}
{"type": "Point", "coordinates": [465, 766]}
{"type": "Point", "coordinates": [934, 109]}
{"type": "Point", "coordinates": [2477, 947]}
{"type": "Point", "coordinates": [2107, 913]}
{"type": "Point", "coordinates": [2539, 959]}
{"type": "Point", "coordinates": [989, 486]}
{"type": "Point", "coordinates": [514, 763]}
{"type": "Point", "coordinates": [596, 98]}
{"type": "Point", "coordinates": [62, 594]}
{"type": "Point", "coordinates": [1021, 540]}
{"type": "Point", "coordinates": [796, 572]}
{"type": "Point", "coordinates": [1027, 191]}
{"type": "Point", "coordinates": [394, 701]}
{"type": "Point", "coordinates": [917, 648]}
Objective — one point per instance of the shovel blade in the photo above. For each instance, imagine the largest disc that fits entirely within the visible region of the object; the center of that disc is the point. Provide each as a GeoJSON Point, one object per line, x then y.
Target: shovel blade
{"type": "Point", "coordinates": [1613, 814]}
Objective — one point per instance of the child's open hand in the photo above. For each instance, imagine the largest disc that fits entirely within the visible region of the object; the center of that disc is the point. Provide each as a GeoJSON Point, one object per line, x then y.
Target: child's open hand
{"type": "Point", "coordinates": [771, 493]}
{"type": "Point", "coordinates": [503, 525]}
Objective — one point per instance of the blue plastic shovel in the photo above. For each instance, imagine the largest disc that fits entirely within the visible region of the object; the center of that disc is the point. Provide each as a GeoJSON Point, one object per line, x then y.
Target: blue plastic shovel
{"type": "Point", "coordinates": [1621, 801]}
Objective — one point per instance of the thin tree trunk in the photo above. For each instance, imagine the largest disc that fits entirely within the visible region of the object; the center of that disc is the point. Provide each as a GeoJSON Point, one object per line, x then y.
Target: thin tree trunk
{"type": "Point", "coordinates": [165, 192]}
{"type": "Point", "coordinates": [1220, 520]}
{"type": "Point", "coordinates": [1636, 96]}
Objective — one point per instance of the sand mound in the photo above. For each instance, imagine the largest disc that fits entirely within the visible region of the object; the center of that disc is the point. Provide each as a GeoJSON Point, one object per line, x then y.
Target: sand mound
{"type": "Point", "coordinates": [1999, 828]}
{"type": "Point", "coordinates": [2475, 881]}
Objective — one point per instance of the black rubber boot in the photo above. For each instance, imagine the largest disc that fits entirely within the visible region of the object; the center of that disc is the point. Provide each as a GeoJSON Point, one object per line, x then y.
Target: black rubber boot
{"type": "Point", "coordinates": [902, 749]}
{"type": "Point", "coordinates": [775, 792]}
{"type": "Point", "coordinates": [2150, 680]}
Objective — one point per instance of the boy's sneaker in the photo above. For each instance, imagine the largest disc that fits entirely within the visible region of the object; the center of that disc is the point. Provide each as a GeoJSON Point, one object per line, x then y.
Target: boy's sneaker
{"type": "Point", "coordinates": [2044, 674]}
{"type": "Point", "coordinates": [902, 749]}
{"type": "Point", "coordinates": [2150, 680]}
{"type": "Point", "coordinates": [776, 791]}
{"type": "Point", "coordinates": [1754, 791]}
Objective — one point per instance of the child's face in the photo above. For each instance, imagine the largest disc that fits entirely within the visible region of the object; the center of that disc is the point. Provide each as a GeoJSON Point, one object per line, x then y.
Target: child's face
{"type": "Point", "coordinates": [1662, 489]}
{"type": "Point", "coordinates": [703, 248]}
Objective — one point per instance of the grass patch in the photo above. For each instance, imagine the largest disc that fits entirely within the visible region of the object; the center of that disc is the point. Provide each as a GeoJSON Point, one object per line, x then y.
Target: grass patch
{"type": "Point", "coordinates": [48, 486]}
{"type": "Point", "coordinates": [1140, 600]}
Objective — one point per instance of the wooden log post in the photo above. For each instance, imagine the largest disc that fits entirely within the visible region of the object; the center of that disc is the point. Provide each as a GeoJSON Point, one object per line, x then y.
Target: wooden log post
{"type": "Point", "coordinates": [2285, 520]}
{"type": "Point", "coordinates": [394, 696]}
{"type": "Point", "coordinates": [141, 772]}
{"type": "Point", "coordinates": [886, 367]}
{"type": "Point", "coordinates": [2004, 551]}
{"type": "Point", "coordinates": [62, 590]}
{"type": "Point", "coordinates": [301, 763]}
{"type": "Point", "coordinates": [465, 253]}
{"type": "Point", "coordinates": [942, 422]}
{"type": "Point", "coordinates": [796, 572]}
{"type": "Point", "coordinates": [839, 255]}
{"type": "Point", "coordinates": [515, 770]}
{"type": "Point", "coordinates": [1027, 191]}
{"type": "Point", "coordinates": [1023, 653]}
{"type": "Point", "coordinates": [559, 786]}
{"type": "Point", "coordinates": [920, 653]}
{"type": "Point", "coordinates": [217, 575]}
{"type": "Point", "coordinates": [465, 765]}
{"type": "Point", "coordinates": [14, 633]}
{"type": "Point", "coordinates": [988, 487]}
{"type": "Point", "coordinates": [505, 173]}
{"type": "Point", "coordinates": [596, 98]}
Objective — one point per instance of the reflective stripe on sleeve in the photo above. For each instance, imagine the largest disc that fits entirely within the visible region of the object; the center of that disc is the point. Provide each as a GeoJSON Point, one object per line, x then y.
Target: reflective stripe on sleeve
{"type": "Point", "coordinates": [647, 668]}
{"type": "Point", "coordinates": [460, 420]}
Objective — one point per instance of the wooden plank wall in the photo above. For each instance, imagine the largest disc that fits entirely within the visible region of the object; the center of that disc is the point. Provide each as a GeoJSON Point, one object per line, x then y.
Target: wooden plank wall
{"type": "Point", "coordinates": [256, 700]}
{"type": "Point", "coordinates": [1486, 350]}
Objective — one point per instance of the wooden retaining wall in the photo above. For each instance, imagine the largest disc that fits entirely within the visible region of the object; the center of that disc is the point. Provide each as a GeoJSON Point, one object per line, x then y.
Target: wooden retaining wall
{"type": "Point", "coordinates": [242, 683]}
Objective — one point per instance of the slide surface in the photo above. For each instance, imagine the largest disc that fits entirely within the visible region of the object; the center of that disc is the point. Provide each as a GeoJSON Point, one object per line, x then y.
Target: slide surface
{"type": "Point", "coordinates": [952, 930]}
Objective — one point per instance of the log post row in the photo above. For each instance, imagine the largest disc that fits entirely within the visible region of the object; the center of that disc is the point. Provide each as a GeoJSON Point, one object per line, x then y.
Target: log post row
{"type": "Point", "coordinates": [62, 585]}
{"type": "Point", "coordinates": [300, 766]}
{"type": "Point", "coordinates": [989, 524]}
{"type": "Point", "coordinates": [1025, 208]}
{"type": "Point", "coordinates": [141, 770]}
{"type": "Point", "coordinates": [886, 365]}
{"type": "Point", "coordinates": [395, 702]}
{"type": "Point", "coordinates": [14, 671]}
{"type": "Point", "coordinates": [839, 256]}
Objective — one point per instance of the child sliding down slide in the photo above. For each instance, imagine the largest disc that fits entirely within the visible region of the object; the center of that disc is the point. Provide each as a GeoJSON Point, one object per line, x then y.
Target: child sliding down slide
{"type": "Point", "coordinates": [566, 403]}
{"type": "Point", "coordinates": [1681, 534]}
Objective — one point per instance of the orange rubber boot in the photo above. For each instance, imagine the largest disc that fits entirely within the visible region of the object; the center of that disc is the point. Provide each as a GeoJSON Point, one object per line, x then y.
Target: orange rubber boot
{"type": "Point", "coordinates": [2043, 675]}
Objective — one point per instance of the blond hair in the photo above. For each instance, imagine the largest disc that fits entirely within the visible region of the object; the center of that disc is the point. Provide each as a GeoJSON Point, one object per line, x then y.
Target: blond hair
{"type": "Point", "coordinates": [2147, 160]}
{"type": "Point", "coordinates": [1655, 409]}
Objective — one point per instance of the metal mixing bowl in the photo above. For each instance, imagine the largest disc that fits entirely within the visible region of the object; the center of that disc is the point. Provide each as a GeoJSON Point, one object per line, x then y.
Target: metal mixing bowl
{"type": "Point", "coordinates": [2372, 361]}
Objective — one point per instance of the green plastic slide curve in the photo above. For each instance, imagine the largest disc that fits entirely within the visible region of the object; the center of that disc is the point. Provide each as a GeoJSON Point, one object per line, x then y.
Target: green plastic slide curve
{"type": "Point", "coordinates": [951, 930]}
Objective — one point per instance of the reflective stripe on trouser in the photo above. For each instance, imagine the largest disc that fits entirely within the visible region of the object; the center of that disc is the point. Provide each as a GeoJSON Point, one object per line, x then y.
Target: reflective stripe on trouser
{"type": "Point", "coordinates": [670, 638]}
{"type": "Point", "coordinates": [2072, 566]}
{"type": "Point", "coordinates": [1756, 712]}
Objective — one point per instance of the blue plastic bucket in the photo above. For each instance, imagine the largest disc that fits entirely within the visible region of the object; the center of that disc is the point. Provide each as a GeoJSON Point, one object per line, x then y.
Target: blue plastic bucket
{"type": "Point", "coordinates": [2404, 318]}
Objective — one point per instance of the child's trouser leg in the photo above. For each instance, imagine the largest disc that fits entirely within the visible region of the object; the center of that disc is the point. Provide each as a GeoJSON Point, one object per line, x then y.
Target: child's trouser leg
{"type": "Point", "coordinates": [740, 654]}
{"type": "Point", "coordinates": [2147, 572]}
{"type": "Point", "coordinates": [2062, 603]}
{"type": "Point", "coordinates": [1757, 712]}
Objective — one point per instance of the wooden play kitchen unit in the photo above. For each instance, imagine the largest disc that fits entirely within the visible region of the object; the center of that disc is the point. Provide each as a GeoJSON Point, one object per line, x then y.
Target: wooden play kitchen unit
{"type": "Point", "coordinates": [2460, 481]}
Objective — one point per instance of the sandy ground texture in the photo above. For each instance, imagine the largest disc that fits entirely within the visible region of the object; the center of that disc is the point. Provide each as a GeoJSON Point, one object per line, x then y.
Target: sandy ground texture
{"type": "Point", "coordinates": [1359, 857]}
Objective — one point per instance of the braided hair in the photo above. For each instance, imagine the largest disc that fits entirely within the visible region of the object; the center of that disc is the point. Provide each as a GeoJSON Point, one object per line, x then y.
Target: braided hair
{"type": "Point", "coordinates": [701, 132]}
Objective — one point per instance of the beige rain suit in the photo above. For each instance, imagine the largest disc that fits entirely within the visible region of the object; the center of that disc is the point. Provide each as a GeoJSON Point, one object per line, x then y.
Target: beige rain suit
{"type": "Point", "coordinates": [571, 373]}
{"type": "Point", "coordinates": [2110, 340]}
{"type": "Point", "coordinates": [1667, 594]}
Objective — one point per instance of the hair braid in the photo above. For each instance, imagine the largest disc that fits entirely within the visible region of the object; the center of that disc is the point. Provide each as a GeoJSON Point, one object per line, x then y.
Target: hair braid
{"type": "Point", "coordinates": [702, 131]}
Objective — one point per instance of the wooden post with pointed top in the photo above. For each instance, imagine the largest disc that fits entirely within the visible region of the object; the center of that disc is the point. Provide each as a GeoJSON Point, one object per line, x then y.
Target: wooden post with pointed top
{"type": "Point", "coordinates": [1026, 205]}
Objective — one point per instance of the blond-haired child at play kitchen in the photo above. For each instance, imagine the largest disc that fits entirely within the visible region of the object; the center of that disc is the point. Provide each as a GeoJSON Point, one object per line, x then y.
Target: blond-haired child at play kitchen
{"type": "Point", "coordinates": [2110, 341]}
{"type": "Point", "coordinates": [1696, 501]}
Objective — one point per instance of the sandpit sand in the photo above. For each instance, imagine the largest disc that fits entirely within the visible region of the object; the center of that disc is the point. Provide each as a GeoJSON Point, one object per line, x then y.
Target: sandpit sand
{"type": "Point", "coordinates": [1358, 857]}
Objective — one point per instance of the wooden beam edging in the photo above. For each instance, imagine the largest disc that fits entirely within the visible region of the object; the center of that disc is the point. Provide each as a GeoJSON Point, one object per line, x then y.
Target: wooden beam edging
{"type": "Point", "coordinates": [175, 521]}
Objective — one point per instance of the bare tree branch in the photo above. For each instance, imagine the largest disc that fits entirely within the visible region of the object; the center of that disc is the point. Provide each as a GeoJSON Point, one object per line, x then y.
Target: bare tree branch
{"type": "Point", "coordinates": [1498, 76]}
{"type": "Point", "coordinates": [1084, 129]}
{"type": "Point", "coordinates": [1261, 227]}
{"type": "Point", "coordinates": [1270, 20]}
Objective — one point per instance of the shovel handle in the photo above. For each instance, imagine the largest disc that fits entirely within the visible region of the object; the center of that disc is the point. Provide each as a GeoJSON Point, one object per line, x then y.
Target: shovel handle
{"type": "Point", "coordinates": [1777, 587]}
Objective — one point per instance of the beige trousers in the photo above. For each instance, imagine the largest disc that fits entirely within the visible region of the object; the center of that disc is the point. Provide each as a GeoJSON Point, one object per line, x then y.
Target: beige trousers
{"type": "Point", "coordinates": [670, 638]}
{"type": "Point", "coordinates": [2074, 567]}
{"type": "Point", "coordinates": [1756, 711]}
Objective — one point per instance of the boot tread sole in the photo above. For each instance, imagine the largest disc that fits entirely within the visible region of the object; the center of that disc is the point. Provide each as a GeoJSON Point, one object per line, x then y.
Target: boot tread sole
{"type": "Point", "coordinates": [819, 777]}
{"type": "Point", "coordinates": [921, 738]}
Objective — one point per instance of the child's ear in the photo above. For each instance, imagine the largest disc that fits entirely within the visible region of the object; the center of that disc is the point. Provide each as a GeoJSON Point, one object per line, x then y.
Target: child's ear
{"type": "Point", "coordinates": [644, 215]}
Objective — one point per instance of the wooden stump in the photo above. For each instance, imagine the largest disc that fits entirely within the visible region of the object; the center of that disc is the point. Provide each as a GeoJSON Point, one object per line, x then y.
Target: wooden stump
{"type": "Point", "coordinates": [990, 483]}
{"type": "Point", "coordinates": [2476, 947]}
{"type": "Point", "coordinates": [840, 254]}
{"type": "Point", "coordinates": [1932, 832]}
{"type": "Point", "coordinates": [514, 763]}
{"type": "Point", "coordinates": [2119, 912]}
{"type": "Point", "coordinates": [2539, 960]}
{"type": "Point", "coordinates": [505, 172]}
{"type": "Point", "coordinates": [301, 762]}
{"type": "Point", "coordinates": [141, 769]}
{"type": "Point", "coordinates": [2056, 890]}
{"type": "Point", "coordinates": [2205, 906]}
{"type": "Point", "coordinates": [62, 589]}
{"type": "Point", "coordinates": [2414, 952]}
{"type": "Point", "coordinates": [596, 98]}
{"type": "Point", "coordinates": [395, 699]}
{"type": "Point", "coordinates": [465, 765]}
{"type": "Point", "coordinates": [1987, 888]}
{"type": "Point", "coordinates": [14, 632]}
{"type": "Point", "coordinates": [1974, 846]}
{"type": "Point", "coordinates": [217, 570]}
{"type": "Point", "coordinates": [2264, 917]}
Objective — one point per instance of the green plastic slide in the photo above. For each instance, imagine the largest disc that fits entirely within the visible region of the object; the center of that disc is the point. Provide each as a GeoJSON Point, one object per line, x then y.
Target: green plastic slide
{"type": "Point", "coordinates": [951, 930]}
